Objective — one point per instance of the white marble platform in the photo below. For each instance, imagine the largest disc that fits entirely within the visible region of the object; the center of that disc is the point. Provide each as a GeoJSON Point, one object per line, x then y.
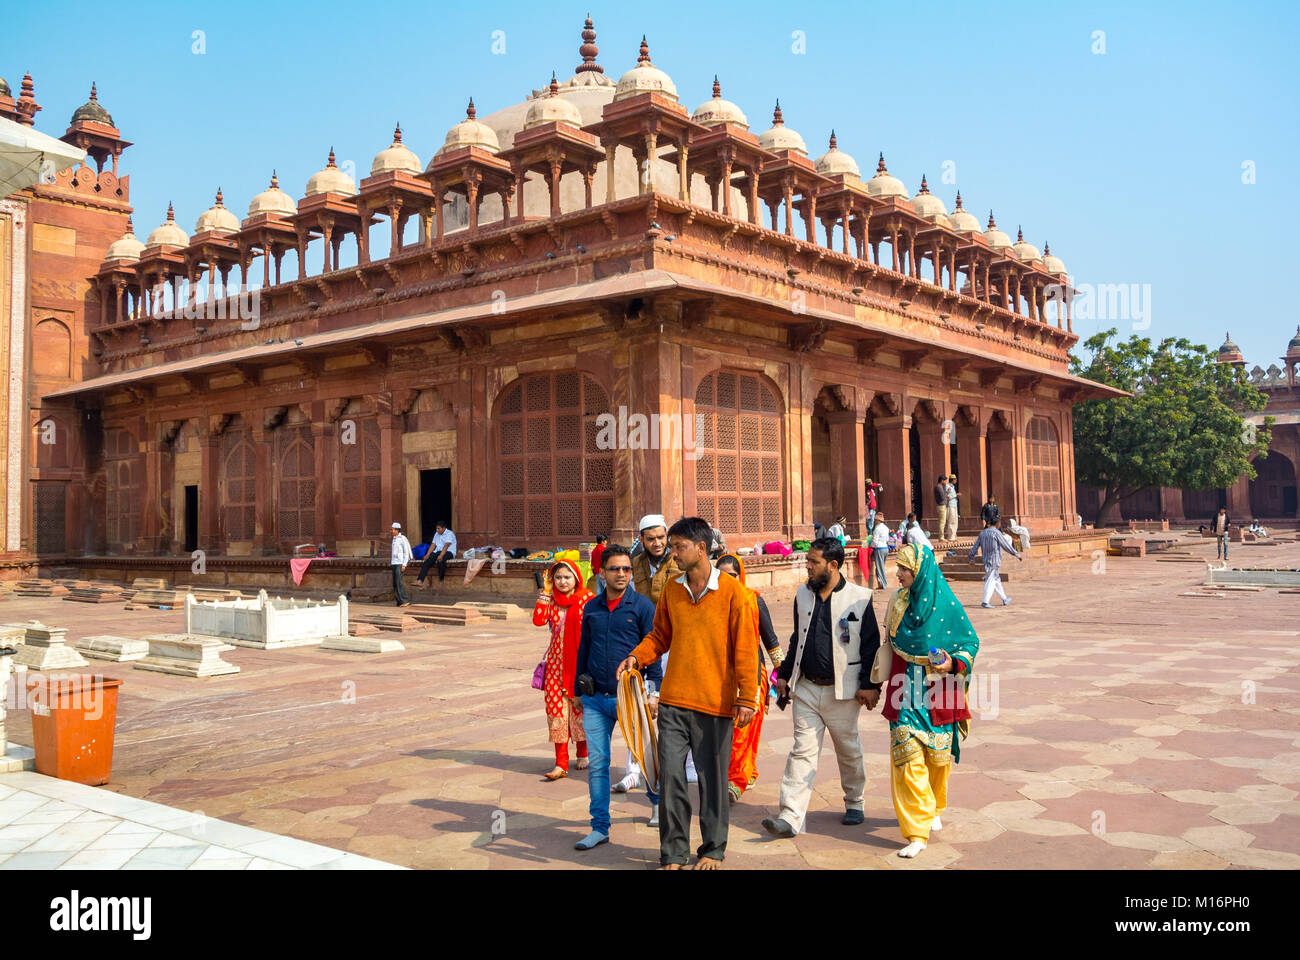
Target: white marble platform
{"type": "Point", "coordinates": [48, 824]}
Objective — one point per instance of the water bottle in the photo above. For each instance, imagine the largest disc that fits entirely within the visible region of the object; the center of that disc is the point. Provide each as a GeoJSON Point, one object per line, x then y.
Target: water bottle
{"type": "Point", "coordinates": [937, 657]}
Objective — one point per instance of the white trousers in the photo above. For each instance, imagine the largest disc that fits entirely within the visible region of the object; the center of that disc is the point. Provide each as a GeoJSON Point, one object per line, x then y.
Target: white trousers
{"type": "Point", "coordinates": [950, 529]}
{"type": "Point", "coordinates": [993, 584]}
{"type": "Point", "coordinates": [816, 711]}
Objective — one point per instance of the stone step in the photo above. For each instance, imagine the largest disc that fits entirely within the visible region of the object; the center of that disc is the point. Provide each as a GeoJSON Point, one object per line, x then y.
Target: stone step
{"type": "Point", "coordinates": [496, 611]}
{"type": "Point", "coordinates": [386, 622]}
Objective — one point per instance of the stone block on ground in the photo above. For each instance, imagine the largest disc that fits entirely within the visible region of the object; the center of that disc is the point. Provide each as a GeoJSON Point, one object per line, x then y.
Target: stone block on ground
{"type": "Point", "coordinates": [148, 583]}
{"type": "Point", "coordinates": [186, 655]}
{"type": "Point", "coordinates": [155, 598]}
{"type": "Point", "coordinates": [116, 649]}
{"type": "Point", "coordinates": [388, 622]}
{"type": "Point", "coordinates": [363, 644]}
{"type": "Point", "coordinates": [453, 615]}
{"type": "Point", "coordinates": [39, 588]}
{"type": "Point", "coordinates": [45, 648]}
{"type": "Point", "coordinates": [357, 629]}
{"type": "Point", "coordinates": [1133, 547]}
{"type": "Point", "coordinates": [95, 593]}
{"type": "Point", "coordinates": [496, 611]}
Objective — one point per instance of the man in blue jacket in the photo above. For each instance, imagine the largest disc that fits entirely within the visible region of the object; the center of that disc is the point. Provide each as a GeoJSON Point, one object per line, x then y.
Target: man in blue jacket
{"type": "Point", "coordinates": [614, 621]}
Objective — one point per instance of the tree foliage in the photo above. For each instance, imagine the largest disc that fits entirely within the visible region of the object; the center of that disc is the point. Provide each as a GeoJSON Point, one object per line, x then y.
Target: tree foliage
{"type": "Point", "coordinates": [1184, 425]}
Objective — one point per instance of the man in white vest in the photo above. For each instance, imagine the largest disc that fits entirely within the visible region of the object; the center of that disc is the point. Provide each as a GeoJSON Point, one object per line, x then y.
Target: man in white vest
{"type": "Point", "coordinates": [827, 674]}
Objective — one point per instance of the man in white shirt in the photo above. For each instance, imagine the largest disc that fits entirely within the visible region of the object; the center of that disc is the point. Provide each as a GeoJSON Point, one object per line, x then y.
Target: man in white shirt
{"type": "Point", "coordinates": [915, 534]}
{"type": "Point", "coordinates": [441, 549]}
{"type": "Point", "coordinates": [949, 531]}
{"type": "Point", "coordinates": [879, 551]}
{"type": "Point", "coordinates": [401, 556]}
{"type": "Point", "coordinates": [837, 530]}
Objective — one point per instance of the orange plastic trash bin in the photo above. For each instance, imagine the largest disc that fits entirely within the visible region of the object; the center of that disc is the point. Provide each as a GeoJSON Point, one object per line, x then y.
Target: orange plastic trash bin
{"type": "Point", "coordinates": [73, 719]}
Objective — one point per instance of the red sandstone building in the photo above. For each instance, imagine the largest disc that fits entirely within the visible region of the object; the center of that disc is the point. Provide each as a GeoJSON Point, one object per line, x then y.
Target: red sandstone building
{"type": "Point", "coordinates": [441, 340]}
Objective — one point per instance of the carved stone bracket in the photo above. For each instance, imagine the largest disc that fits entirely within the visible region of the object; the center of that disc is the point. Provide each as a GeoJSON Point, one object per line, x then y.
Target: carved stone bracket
{"type": "Point", "coordinates": [273, 416]}
{"type": "Point", "coordinates": [804, 337]}
{"type": "Point", "coordinates": [989, 376]}
{"type": "Point", "coordinates": [869, 348]}
{"type": "Point", "coordinates": [217, 423]}
{"type": "Point", "coordinates": [912, 359]}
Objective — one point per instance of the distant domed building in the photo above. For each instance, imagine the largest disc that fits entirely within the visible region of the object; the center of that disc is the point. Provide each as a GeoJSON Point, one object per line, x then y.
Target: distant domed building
{"type": "Point", "coordinates": [448, 336]}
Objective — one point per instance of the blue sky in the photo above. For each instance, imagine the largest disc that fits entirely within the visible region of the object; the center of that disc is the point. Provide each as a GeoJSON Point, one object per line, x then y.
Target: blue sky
{"type": "Point", "coordinates": [1129, 162]}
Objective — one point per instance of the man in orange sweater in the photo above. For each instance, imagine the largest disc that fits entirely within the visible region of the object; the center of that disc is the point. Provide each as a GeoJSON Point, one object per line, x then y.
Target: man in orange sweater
{"type": "Point", "coordinates": [710, 683]}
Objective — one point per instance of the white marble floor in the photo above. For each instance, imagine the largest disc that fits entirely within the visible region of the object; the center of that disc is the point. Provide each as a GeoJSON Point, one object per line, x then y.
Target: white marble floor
{"type": "Point", "coordinates": [49, 824]}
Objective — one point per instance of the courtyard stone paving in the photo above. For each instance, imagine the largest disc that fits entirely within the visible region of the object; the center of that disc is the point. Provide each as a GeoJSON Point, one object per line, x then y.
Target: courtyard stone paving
{"type": "Point", "coordinates": [1134, 727]}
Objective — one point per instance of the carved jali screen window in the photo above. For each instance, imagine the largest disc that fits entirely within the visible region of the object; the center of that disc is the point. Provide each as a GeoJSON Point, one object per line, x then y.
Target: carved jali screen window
{"type": "Point", "coordinates": [360, 489]}
{"type": "Point", "coordinates": [556, 484]}
{"type": "Point", "coordinates": [738, 473]}
{"type": "Point", "coordinates": [123, 475]}
{"type": "Point", "coordinates": [1043, 468]}
{"type": "Point", "coordinates": [51, 527]}
{"type": "Point", "coordinates": [238, 484]}
{"type": "Point", "coordinates": [295, 506]}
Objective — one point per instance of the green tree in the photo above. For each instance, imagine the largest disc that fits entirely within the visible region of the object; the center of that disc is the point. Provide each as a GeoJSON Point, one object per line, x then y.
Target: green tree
{"type": "Point", "coordinates": [1183, 425]}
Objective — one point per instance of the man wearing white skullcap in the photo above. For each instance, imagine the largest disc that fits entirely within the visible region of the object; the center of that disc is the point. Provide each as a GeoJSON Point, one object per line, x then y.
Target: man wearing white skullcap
{"type": "Point", "coordinates": [401, 556]}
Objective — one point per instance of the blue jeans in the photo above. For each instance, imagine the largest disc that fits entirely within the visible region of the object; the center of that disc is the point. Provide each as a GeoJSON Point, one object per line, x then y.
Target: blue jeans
{"type": "Point", "coordinates": [599, 718]}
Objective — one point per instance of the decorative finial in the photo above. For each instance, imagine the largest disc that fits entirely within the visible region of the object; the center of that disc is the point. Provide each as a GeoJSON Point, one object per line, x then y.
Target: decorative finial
{"type": "Point", "coordinates": [470, 112]}
{"type": "Point", "coordinates": [1020, 235]}
{"type": "Point", "coordinates": [397, 132]}
{"type": "Point", "coordinates": [925, 188]}
{"type": "Point", "coordinates": [991, 223]}
{"type": "Point", "coordinates": [589, 50]}
{"type": "Point", "coordinates": [958, 200]}
{"type": "Point", "coordinates": [777, 119]}
{"type": "Point", "coordinates": [130, 226]}
{"type": "Point", "coordinates": [555, 85]}
{"type": "Point", "coordinates": [330, 162]}
{"type": "Point", "coordinates": [94, 95]}
{"type": "Point", "coordinates": [834, 143]}
{"type": "Point", "coordinates": [28, 88]}
{"type": "Point", "coordinates": [880, 165]}
{"type": "Point", "coordinates": [645, 52]}
{"type": "Point", "coordinates": [219, 203]}
{"type": "Point", "coordinates": [171, 214]}
{"type": "Point", "coordinates": [1047, 248]}
{"type": "Point", "coordinates": [717, 88]}
{"type": "Point", "coordinates": [275, 181]}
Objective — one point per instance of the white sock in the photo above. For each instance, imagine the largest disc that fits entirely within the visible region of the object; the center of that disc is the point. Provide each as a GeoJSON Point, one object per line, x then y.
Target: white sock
{"type": "Point", "coordinates": [912, 849]}
{"type": "Point", "coordinates": [937, 825]}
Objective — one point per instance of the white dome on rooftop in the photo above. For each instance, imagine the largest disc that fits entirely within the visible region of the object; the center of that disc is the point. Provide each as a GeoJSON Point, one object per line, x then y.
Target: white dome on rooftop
{"type": "Point", "coordinates": [645, 77]}
{"type": "Point", "coordinates": [781, 137]}
{"type": "Point", "coordinates": [217, 218]}
{"type": "Point", "coordinates": [835, 162]}
{"type": "Point", "coordinates": [1050, 263]}
{"type": "Point", "coordinates": [272, 200]}
{"type": "Point", "coordinates": [884, 184]}
{"type": "Point", "coordinates": [550, 107]}
{"type": "Point", "coordinates": [125, 247]}
{"type": "Point", "coordinates": [963, 221]}
{"type": "Point", "coordinates": [396, 156]}
{"type": "Point", "coordinates": [470, 132]}
{"type": "Point", "coordinates": [716, 110]}
{"type": "Point", "coordinates": [168, 233]}
{"type": "Point", "coordinates": [330, 179]}
{"type": "Point", "coordinates": [1025, 251]}
{"type": "Point", "coordinates": [927, 205]}
{"type": "Point", "coordinates": [995, 237]}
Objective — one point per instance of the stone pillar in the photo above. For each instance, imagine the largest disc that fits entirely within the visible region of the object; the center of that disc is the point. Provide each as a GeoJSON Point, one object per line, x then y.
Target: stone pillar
{"type": "Point", "coordinates": [893, 439]}
{"type": "Point", "coordinates": [151, 522]}
{"type": "Point", "coordinates": [611, 151]}
{"type": "Point", "coordinates": [209, 489]}
{"type": "Point", "coordinates": [324, 439]}
{"type": "Point", "coordinates": [1002, 470]}
{"type": "Point", "coordinates": [264, 459]}
{"type": "Point", "coordinates": [848, 470]}
{"type": "Point", "coordinates": [683, 174]}
{"type": "Point", "coordinates": [1239, 501]}
{"type": "Point", "coordinates": [972, 454]}
{"type": "Point", "coordinates": [391, 478]}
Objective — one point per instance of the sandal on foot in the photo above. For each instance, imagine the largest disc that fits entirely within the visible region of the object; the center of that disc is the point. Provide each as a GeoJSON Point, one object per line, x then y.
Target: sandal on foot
{"type": "Point", "coordinates": [559, 773]}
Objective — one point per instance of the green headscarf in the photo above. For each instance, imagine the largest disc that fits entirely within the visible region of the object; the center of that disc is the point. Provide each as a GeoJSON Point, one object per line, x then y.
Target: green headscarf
{"type": "Point", "coordinates": [934, 616]}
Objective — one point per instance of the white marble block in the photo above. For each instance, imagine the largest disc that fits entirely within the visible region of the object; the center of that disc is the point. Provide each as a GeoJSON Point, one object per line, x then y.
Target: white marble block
{"type": "Point", "coordinates": [186, 655]}
{"type": "Point", "coordinates": [117, 649]}
{"type": "Point", "coordinates": [45, 648]}
{"type": "Point", "coordinates": [265, 623]}
{"type": "Point", "coordinates": [362, 644]}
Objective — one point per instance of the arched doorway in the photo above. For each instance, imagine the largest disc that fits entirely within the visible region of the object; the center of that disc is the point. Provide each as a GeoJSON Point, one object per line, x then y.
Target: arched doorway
{"type": "Point", "coordinates": [1273, 491]}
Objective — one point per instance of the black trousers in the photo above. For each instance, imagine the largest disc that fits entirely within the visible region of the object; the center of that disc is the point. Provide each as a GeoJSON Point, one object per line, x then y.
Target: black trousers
{"type": "Point", "coordinates": [430, 559]}
{"type": "Point", "coordinates": [709, 738]}
{"type": "Point", "coordinates": [399, 588]}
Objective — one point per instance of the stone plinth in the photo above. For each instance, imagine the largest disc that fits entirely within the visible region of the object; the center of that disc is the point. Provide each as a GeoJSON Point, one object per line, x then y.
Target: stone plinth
{"type": "Point", "coordinates": [186, 655]}
{"type": "Point", "coordinates": [39, 588]}
{"type": "Point", "coordinates": [7, 652]}
{"type": "Point", "coordinates": [363, 644]}
{"type": "Point", "coordinates": [108, 647]}
{"type": "Point", "coordinates": [496, 611]}
{"type": "Point", "coordinates": [454, 615]}
{"type": "Point", "coordinates": [45, 648]}
{"type": "Point", "coordinates": [390, 622]}
{"type": "Point", "coordinates": [158, 597]}
{"type": "Point", "coordinates": [93, 593]}
{"type": "Point", "coordinates": [148, 583]}
{"type": "Point", "coordinates": [268, 624]}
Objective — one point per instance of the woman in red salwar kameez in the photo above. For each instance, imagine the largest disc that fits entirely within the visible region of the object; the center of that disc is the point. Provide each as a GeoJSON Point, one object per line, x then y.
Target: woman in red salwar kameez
{"type": "Point", "coordinates": [561, 610]}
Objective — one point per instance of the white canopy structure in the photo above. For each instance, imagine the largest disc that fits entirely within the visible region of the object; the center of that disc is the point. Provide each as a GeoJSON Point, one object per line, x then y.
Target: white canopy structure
{"type": "Point", "coordinates": [25, 152]}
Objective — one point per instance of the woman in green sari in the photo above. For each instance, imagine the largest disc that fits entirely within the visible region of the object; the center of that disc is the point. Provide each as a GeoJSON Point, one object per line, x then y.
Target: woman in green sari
{"type": "Point", "coordinates": [925, 700]}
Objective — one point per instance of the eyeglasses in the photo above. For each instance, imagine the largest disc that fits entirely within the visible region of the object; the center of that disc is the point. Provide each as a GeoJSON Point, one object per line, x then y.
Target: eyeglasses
{"type": "Point", "coordinates": [619, 569]}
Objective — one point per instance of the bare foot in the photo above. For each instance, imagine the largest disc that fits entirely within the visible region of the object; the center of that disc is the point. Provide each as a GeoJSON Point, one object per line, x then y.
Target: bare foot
{"type": "Point", "coordinates": [583, 763]}
{"type": "Point", "coordinates": [708, 863]}
{"type": "Point", "coordinates": [670, 866]}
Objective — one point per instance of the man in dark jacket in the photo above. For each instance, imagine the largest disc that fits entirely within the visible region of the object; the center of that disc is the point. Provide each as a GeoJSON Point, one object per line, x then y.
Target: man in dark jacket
{"type": "Point", "coordinates": [614, 621]}
{"type": "Point", "coordinates": [1220, 525]}
{"type": "Point", "coordinates": [990, 513]}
